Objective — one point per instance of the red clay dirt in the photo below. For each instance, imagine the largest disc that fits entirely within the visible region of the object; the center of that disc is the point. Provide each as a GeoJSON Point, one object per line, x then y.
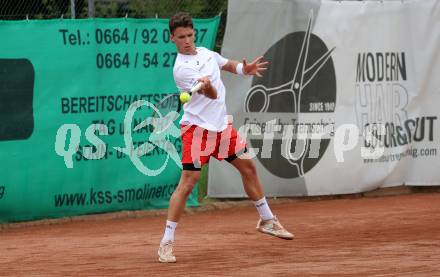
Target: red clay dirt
{"type": "Point", "coordinates": [383, 236]}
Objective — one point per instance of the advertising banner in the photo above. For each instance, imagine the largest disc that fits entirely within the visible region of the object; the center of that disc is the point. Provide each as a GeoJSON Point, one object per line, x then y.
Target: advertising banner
{"type": "Point", "coordinates": [67, 139]}
{"type": "Point", "coordinates": [349, 101]}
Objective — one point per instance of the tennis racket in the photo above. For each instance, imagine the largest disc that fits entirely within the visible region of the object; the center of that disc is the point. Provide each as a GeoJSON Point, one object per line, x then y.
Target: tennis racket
{"type": "Point", "coordinates": [166, 111]}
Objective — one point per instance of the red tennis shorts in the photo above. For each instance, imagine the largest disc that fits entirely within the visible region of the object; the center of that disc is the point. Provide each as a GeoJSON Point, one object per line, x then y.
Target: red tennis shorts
{"type": "Point", "coordinates": [199, 144]}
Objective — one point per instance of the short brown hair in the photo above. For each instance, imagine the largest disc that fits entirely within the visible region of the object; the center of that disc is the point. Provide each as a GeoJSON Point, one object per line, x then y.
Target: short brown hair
{"type": "Point", "coordinates": [180, 19]}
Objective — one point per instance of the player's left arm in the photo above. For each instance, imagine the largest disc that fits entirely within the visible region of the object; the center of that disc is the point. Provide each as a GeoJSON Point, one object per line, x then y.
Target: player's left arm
{"type": "Point", "coordinates": [256, 67]}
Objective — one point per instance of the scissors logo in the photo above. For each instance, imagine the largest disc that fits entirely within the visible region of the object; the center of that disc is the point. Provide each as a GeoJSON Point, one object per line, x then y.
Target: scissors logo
{"type": "Point", "coordinates": [304, 59]}
{"type": "Point", "coordinates": [302, 77]}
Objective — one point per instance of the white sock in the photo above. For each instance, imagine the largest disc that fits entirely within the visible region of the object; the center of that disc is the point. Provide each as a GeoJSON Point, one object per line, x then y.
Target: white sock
{"type": "Point", "coordinates": [168, 235]}
{"type": "Point", "coordinates": [263, 209]}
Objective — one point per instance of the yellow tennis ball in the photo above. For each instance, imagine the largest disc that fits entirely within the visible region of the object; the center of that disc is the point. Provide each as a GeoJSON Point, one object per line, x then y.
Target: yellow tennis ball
{"type": "Point", "coordinates": [185, 97]}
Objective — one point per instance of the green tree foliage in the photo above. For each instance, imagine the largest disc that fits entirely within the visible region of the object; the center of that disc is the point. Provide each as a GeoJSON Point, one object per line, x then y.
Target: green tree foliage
{"type": "Point", "coordinates": [19, 9]}
{"type": "Point", "coordinates": [156, 8]}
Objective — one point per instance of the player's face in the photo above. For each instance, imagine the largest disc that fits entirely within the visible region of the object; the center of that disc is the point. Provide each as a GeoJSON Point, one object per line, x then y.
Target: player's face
{"type": "Point", "coordinates": [183, 38]}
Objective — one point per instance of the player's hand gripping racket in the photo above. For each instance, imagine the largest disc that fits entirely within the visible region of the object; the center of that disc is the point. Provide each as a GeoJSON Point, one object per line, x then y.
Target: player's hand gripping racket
{"type": "Point", "coordinates": [167, 110]}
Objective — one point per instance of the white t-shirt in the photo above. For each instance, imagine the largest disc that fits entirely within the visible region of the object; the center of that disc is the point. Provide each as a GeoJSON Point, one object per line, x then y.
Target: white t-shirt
{"type": "Point", "coordinates": [207, 113]}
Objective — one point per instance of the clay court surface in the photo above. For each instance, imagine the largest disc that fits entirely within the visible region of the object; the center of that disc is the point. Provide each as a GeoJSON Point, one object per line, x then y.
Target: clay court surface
{"type": "Point", "coordinates": [382, 236]}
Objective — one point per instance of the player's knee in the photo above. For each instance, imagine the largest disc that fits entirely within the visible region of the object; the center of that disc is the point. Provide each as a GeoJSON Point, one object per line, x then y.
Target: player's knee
{"type": "Point", "coordinates": [187, 188]}
{"type": "Point", "coordinates": [187, 182]}
{"type": "Point", "coordinates": [249, 169]}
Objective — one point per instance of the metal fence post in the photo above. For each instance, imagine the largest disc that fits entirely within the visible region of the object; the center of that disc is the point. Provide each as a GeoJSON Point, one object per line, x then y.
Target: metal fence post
{"type": "Point", "coordinates": [91, 8]}
{"type": "Point", "coordinates": [72, 8]}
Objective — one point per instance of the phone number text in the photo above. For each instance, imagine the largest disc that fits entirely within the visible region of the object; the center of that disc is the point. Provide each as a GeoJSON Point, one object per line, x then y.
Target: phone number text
{"type": "Point", "coordinates": [116, 36]}
{"type": "Point", "coordinates": [135, 60]}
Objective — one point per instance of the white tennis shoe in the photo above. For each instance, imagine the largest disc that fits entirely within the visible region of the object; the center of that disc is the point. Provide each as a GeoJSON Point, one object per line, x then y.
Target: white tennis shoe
{"type": "Point", "coordinates": [165, 252]}
{"type": "Point", "coordinates": [273, 227]}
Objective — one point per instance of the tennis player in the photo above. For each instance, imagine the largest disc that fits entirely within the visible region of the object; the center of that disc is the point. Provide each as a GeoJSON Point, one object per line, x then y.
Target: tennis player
{"type": "Point", "coordinates": [206, 132]}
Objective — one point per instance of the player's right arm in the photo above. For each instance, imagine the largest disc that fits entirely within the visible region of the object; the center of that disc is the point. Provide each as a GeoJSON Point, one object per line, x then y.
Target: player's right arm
{"type": "Point", "coordinates": [186, 78]}
{"type": "Point", "coordinates": [207, 88]}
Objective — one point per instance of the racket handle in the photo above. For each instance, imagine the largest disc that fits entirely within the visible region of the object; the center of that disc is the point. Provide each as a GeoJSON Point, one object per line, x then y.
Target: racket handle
{"type": "Point", "coordinates": [197, 87]}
